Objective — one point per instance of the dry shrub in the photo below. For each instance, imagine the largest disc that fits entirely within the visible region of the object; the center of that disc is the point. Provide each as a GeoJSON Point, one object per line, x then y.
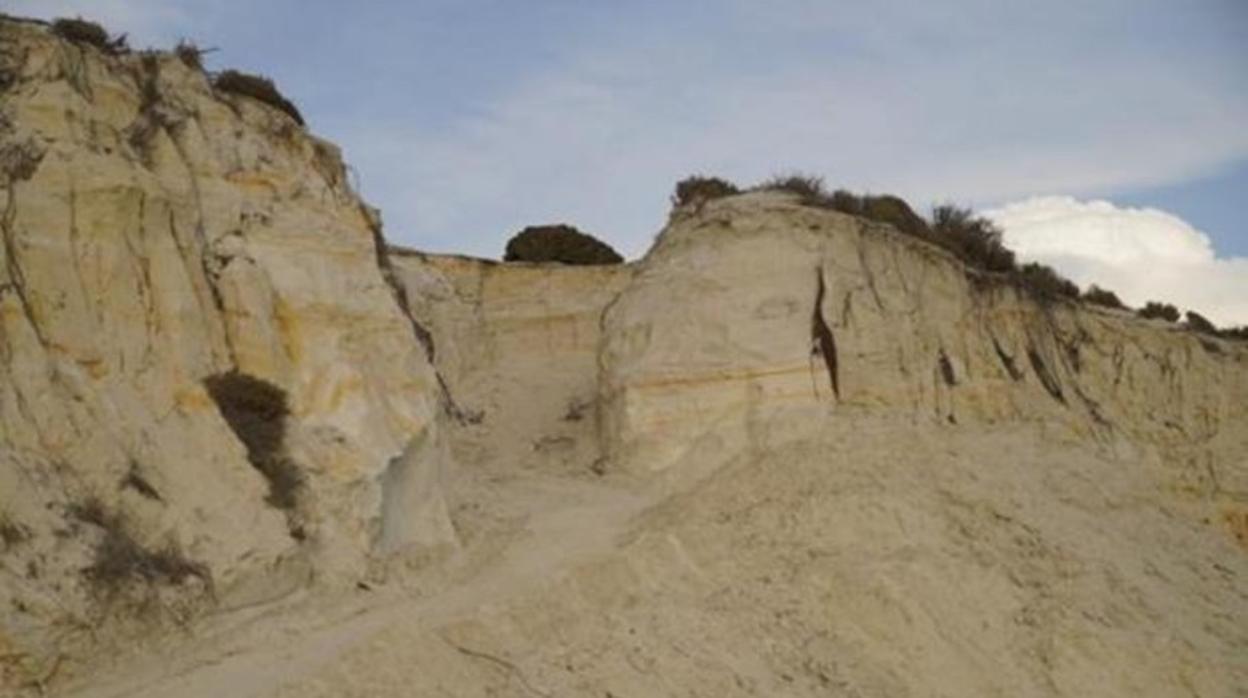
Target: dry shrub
{"type": "Point", "coordinates": [698, 189]}
{"type": "Point", "coordinates": [809, 188]}
{"type": "Point", "coordinates": [1100, 296]}
{"type": "Point", "coordinates": [1199, 323]}
{"type": "Point", "coordinates": [84, 31]}
{"type": "Point", "coordinates": [886, 208]}
{"type": "Point", "coordinates": [977, 241]}
{"type": "Point", "coordinates": [256, 411]}
{"type": "Point", "coordinates": [1164, 311]}
{"type": "Point", "coordinates": [11, 532]}
{"type": "Point", "coordinates": [1236, 333]}
{"type": "Point", "coordinates": [559, 243]}
{"type": "Point", "coordinates": [259, 88]}
{"type": "Point", "coordinates": [120, 560]}
{"type": "Point", "coordinates": [1044, 282]}
{"type": "Point", "coordinates": [190, 54]}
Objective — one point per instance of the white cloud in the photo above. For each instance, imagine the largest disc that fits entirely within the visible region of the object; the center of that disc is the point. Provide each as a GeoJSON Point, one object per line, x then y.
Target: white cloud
{"type": "Point", "coordinates": [973, 114]}
{"type": "Point", "coordinates": [1142, 254]}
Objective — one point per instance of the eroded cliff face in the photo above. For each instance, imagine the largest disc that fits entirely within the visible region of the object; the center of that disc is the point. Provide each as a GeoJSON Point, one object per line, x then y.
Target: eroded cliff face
{"type": "Point", "coordinates": [155, 234]}
{"type": "Point", "coordinates": [772, 306]}
{"type": "Point", "coordinates": [789, 452]}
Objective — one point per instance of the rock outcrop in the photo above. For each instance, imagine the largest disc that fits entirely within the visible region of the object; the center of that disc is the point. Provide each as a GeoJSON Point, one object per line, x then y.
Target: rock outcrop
{"type": "Point", "coordinates": [157, 234]}
{"type": "Point", "coordinates": [789, 452]}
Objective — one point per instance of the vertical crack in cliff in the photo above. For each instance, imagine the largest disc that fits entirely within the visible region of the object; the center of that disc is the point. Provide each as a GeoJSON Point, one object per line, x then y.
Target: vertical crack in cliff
{"type": "Point", "coordinates": [868, 272]}
{"type": "Point", "coordinates": [1047, 379]}
{"type": "Point", "coordinates": [18, 162]}
{"type": "Point", "coordinates": [1007, 361]}
{"type": "Point", "coordinates": [946, 369]}
{"type": "Point", "coordinates": [423, 337]}
{"type": "Point", "coordinates": [822, 341]}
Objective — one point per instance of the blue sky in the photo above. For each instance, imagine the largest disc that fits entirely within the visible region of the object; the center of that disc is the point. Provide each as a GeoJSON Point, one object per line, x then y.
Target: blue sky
{"type": "Point", "coordinates": [467, 120]}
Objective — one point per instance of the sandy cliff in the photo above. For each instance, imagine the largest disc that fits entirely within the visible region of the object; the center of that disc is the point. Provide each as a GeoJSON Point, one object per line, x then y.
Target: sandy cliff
{"type": "Point", "coordinates": [156, 234]}
{"type": "Point", "coordinates": [789, 452]}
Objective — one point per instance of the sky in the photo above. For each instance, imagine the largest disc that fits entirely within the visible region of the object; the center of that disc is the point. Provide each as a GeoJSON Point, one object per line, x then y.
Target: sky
{"type": "Point", "coordinates": [1084, 128]}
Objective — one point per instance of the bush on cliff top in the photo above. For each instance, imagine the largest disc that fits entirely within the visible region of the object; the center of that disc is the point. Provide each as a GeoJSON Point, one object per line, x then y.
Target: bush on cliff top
{"type": "Point", "coordinates": [1199, 323]}
{"type": "Point", "coordinates": [1044, 281]}
{"type": "Point", "coordinates": [976, 240]}
{"type": "Point", "coordinates": [84, 31]}
{"type": "Point", "coordinates": [559, 243]}
{"type": "Point", "coordinates": [1099, 296]}
{"type": "Point", "coordinates": [1237, 333]}
{"type": "Point", "coordinates": [257, 87]}
{"type": "Point", "coordinates": [1164, 311]}
{"type": "Point", "coordinates": [698, 189]}
{"type": "Point", "coordinates": [191, 55]}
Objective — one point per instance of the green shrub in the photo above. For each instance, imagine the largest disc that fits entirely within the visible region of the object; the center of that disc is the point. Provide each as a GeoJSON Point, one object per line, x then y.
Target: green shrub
{"type": "Point", "coordinates": [559, 243]}
{"type": "Point", "coordinates": [1164, 311]}
{"type": "Point", "coordinates": [1199, 323]}
{"type": "Point", "coordinates": [84, 31]}
{"type": "Point", "coordinates": [1099, 296]}
{"type": "Point", "coordinates": [697, 189]}
{"type": "Point", "coordinates": [257, 87]}
{"type": "Point", "coordinates": [1045, 282]}
{"type": "Point", "coordinates": [256, 411]}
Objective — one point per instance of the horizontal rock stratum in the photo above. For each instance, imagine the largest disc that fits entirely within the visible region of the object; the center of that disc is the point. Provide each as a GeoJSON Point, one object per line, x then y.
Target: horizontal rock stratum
{"type": "Point", "coordinates": [250, 450]}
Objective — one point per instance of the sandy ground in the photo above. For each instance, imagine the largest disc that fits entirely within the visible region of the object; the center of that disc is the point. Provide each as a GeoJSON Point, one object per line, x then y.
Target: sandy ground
{"type": "Point", "coordinates": [865, 560]}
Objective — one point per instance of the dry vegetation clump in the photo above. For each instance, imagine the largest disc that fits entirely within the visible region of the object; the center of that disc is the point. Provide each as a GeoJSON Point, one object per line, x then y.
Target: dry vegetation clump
{"type": "Point", "coordinates": [559, 243]}
{"type": "Point", "coordinates": [975, 240]}
{"type": "Point", "coordinates": [809, 188]}
{"type": "Point", "coordinates": [1099, 296]}
{"type": "Point", "coordinates": [190, 54]}
{"type": "Point", "coordinates": [1155, 309]}
{"type": "Point", "coordinates": [11, 532]}
{"type": "Point", "coordinates": [698, 189]}
{"type": "Point", "coordinates": [120, 560]}
{"type": "Point", "coordinates": [884, 208]}
{"type": "Point", "coordinates": [257, 87]}
{"type": "Point", "coordinates": [1043, 281]}
{"type": "Point", "coordinates": [84, 31]}
{"type": "Point", "coordinates": [1199, 323]}
{"type": "Point", "coordinates": [256, 411]}
{"type": "Point", "coordinates": [1236, 333]}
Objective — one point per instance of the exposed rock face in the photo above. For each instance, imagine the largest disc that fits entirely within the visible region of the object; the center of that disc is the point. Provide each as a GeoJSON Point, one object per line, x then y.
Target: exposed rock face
{"type": "Point", "coordinates": [519, 343]}
{"type": "Point", "coordinates": [790, 452]}
{"type": "Point", "coordinates": [748, 287]}
{"type": "Point", "coordinates": [156, 234]}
